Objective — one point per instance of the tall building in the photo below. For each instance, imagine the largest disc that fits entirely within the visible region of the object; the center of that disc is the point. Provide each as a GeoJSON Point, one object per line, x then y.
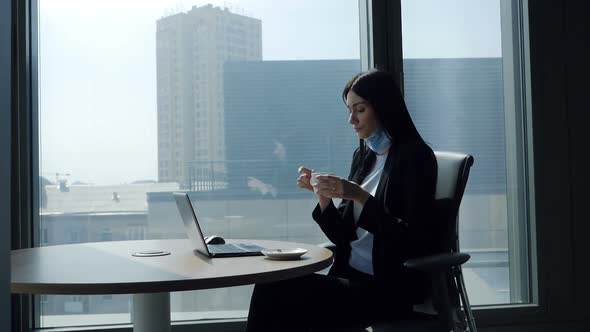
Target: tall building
{"type": "Point", "coordinates": [191, 49]}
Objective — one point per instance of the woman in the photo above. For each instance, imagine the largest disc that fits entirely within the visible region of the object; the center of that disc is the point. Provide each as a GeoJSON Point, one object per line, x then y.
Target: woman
{"type": "Point", "coordinates": [385, 217]}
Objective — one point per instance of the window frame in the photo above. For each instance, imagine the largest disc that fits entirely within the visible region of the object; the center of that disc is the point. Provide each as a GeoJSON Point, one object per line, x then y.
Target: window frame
{"type": "Point", "coordinates": [553, 264]}
{"type": "Point", "coordinates": [24, 140]}
{"type": "Point", "coordinates": [6, 197]}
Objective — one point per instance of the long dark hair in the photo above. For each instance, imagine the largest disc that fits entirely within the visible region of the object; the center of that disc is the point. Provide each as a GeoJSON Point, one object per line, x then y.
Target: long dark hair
{"type": "Point", "coordinates": [380, 89]}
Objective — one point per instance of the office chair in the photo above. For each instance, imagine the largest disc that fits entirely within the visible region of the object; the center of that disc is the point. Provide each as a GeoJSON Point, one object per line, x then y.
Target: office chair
{"type": "Point", "coordinates": [444, 312]}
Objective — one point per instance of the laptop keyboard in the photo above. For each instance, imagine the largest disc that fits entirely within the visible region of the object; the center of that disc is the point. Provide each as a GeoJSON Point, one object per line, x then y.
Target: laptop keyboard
{"type": "Point", "coordinates": [224, 248]}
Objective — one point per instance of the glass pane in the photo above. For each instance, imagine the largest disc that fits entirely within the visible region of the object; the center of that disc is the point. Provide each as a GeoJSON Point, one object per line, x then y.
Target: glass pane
{"type": "Point", "coordinates": [460, 88]}
{"type": "Point", "coordinates": [142, 98]}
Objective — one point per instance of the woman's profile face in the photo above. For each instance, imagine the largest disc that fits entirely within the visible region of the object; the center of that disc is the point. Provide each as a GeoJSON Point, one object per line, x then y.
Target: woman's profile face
{"type": "Point", "coordinates": [361, 115]}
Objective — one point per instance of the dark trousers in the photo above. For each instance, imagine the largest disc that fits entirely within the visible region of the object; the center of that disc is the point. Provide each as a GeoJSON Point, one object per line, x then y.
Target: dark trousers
{"type": "Point", "coordinates": [315, 301]}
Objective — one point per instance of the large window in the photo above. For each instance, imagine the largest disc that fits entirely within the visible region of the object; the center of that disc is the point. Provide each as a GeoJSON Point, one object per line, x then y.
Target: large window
{"type": "Point", "coordinates": [223, 100]}
{"type": "Point", "coordinates": [462, 81]}
{"type": "Point", "coordinates": [138, 99]}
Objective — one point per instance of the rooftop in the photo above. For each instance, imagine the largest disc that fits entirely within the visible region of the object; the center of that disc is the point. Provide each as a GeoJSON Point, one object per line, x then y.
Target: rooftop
{"type": "Point", "coordinates": [100, 198]}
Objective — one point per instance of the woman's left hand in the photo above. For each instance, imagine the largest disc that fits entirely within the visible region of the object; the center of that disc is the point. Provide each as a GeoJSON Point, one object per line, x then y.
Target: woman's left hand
{"type": "Point", "coordinates": [334, 186]}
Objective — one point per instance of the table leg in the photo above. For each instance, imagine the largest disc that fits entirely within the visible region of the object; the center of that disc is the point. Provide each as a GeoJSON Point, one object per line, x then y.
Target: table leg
{"type": "Point", "coordinates": [151, 312]}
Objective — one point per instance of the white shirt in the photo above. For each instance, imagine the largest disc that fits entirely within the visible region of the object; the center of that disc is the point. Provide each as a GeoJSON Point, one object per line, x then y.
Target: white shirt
{"type": "Point", "coordinates": [361, 255]}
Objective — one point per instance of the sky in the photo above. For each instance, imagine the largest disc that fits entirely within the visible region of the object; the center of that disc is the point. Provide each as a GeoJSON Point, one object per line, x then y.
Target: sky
{"type": "Point", "coordinates": [97, 71]}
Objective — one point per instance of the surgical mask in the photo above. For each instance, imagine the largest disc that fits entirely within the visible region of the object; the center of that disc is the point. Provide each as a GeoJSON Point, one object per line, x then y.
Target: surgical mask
{"type": "Point", "coordinates": [379, 141]}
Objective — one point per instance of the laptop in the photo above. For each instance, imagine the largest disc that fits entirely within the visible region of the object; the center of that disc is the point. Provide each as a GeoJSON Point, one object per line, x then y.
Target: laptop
{"type": "Point", "coordinates": [195, 235]}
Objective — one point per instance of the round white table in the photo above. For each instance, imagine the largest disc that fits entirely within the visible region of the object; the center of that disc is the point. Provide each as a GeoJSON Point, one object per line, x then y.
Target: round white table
{"type": "Point", "coordinates": [110, 268]}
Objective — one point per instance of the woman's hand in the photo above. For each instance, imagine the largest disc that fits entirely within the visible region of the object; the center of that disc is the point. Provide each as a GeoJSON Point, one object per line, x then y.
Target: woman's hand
{"type": "Point", "coordinates": [333, 186]}
{"type": "Point", "coordinates": [304, 182]}
{"type": "Point", "coordinates": [304, 178]}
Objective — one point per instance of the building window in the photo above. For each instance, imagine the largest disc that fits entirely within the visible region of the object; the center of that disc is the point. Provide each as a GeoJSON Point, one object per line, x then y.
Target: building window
{"type": "Point", "coordinates": [44, 236]}
{"type": "Point", "coordinates": [74, 236]}
{"type": "Point", "coordinates": [74, 304]}
{"type": "Point", "coordinates": [136, 232]}
{"type": "Point", "coordinates": [106, 234]}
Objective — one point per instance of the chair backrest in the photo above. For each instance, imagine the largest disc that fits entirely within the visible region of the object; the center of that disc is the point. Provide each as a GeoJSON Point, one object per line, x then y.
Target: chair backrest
{"type": "Point", "coordinates": [453, 172]}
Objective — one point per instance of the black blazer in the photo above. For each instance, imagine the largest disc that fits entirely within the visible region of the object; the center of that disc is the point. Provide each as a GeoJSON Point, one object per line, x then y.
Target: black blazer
{"type": "Point", "coordinates": [401, 218]}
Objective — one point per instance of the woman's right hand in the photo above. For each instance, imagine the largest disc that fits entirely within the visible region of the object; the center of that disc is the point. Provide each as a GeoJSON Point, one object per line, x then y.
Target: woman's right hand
{"type": "Point", "coordinates": [304, 182]}
{"type": "Point", "coordinates": [304, 178]}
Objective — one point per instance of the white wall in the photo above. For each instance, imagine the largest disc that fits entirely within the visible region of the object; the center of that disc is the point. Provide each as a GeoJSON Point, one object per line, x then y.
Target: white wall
{"type": "Point", "coordinates": [5, 91]}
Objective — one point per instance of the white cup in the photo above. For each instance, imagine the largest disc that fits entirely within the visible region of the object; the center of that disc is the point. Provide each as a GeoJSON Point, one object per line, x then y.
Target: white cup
{"type": "Point", "coordinates": [314, 180]}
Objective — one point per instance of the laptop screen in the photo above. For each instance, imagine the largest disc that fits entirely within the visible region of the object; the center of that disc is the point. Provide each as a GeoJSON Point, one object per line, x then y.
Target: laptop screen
{"type": "Point", "coordinates": [191, 225]}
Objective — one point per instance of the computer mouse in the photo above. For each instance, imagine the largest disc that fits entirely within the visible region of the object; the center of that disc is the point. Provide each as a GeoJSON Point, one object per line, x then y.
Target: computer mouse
{"type": "Point", "coordinates": [214, 239]}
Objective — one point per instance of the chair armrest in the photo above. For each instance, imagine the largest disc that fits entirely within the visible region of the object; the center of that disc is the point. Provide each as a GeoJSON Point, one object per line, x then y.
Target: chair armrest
{"type": "Point", "coordinates": [328, 245]}
{"type": "Point", "coordinates": [437, 262]}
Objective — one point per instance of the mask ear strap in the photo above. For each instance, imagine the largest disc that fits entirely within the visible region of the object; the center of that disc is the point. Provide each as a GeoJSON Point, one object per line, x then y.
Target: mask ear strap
{"type": "Point", "coordinates": [387, 134]}
{"type": "Point", "coordinates": [383, 129]}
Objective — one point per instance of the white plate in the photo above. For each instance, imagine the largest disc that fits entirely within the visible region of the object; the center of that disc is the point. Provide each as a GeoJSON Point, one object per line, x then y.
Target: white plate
{"type": "Point", "coordinates": [284, 254]}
